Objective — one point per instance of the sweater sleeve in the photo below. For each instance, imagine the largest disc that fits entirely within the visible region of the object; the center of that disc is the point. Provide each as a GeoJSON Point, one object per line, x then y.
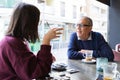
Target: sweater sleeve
{"type": "Point", "coordinates": [28, 66]}
{"type": "Point", "coordinates": [19, 63]}
{"type": "Point", "coordinates": [103, 48]}
{"type": "Point", "coordinates": [73, 49]}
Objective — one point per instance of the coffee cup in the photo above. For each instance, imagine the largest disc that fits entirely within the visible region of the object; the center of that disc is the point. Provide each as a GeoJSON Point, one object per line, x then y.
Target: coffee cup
{"type": "Point", "coordinates": [88, 55]}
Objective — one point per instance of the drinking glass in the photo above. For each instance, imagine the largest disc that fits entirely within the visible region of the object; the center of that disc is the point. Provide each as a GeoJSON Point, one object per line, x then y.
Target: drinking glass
{"type": "Point", "coordinates": [101, 63]}
{"type": "Point", "coordinates": [110, 72]}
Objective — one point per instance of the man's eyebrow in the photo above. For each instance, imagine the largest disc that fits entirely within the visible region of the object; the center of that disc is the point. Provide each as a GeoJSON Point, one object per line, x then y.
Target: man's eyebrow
{"type": "Point", "coordinates": [81, 25]}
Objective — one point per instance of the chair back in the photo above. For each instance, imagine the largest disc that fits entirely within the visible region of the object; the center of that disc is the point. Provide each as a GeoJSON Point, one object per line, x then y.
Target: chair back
{"type": "Point", "coordinates": [116, 55]}
{"type": "Point", "coordinates": [117, 47]}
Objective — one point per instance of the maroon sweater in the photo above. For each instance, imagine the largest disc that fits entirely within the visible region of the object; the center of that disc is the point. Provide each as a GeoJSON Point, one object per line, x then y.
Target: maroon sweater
{"type": "Point", "coordinates": [17, 62]}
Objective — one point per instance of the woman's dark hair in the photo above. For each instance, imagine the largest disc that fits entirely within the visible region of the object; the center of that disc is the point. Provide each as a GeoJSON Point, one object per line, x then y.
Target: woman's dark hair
{"type": "Point", "coordinates": [24, 23]}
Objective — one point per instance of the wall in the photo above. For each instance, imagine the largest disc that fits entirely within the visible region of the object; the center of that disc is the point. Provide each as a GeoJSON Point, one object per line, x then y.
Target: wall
{"type": "Point", "coordinates": [114, 23]}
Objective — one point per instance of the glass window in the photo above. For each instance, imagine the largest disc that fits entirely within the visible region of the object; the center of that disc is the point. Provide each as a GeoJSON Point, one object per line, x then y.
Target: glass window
{"type": "Point", "coordinates": [63, 13]}
{"type": "Point", "coordinates": [62, 9]}
{"type": "Point", "coordinates": [74, 11]}
{"type": "Point", "coordinates": [8, 3]}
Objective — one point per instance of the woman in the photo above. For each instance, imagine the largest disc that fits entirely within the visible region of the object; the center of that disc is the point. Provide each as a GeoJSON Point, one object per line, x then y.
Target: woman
{"type": "Point", "coordinates": [17, 62]}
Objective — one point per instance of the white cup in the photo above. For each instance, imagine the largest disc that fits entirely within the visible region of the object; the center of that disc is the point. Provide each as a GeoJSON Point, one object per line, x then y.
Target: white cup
{"type": "Point", "coordinates": [88, 55]}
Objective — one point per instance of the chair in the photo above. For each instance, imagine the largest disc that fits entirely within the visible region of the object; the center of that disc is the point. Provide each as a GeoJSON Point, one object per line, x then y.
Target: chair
{"type": "Point", "coordinates": [117, 47]}
{"type": "Point", "coordinates": [116, 52]}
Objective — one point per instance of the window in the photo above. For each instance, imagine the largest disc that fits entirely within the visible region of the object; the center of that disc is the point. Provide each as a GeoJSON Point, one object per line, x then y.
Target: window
{"type": "Point", "coordinates": [8, 3]}
{"type": "Point", "coordinates": [74, 12]}
{"type": "Point", "coordinates": [61, 13]}
{"type": "Point", "coordinates": [62, 9]}
{"type": "Point", "coordinates": [95, 10]}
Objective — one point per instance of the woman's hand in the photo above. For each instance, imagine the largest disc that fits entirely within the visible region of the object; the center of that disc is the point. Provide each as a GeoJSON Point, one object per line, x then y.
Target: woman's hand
{"type": "Point", "coordinates": [53, 59]}
{"type": "Point", "coordinates": [51, 34]}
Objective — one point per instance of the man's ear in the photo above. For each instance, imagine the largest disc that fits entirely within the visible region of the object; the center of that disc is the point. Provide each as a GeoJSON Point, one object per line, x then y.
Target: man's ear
{"type": "Point", "coordinates": [90, 28]}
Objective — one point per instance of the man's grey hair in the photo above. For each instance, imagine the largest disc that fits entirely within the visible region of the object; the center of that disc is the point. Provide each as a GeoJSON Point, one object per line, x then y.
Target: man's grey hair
{"type": "Point", "coordinates": [89, 20]}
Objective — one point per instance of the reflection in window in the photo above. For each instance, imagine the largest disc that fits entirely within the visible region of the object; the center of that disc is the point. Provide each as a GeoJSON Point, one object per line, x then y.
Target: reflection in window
{"type": "Point", "coordinates": [8, 3]}
{"type": "Point", "coordinates": [81, 9]}
{"type": "Point", "coordinates": [62, 9]}
{"type": "Point", "coordinates": [104, 24]}
{"type": "Point", "coordinates": [74, 12]}
{"type": "Point", "coordinates": [55, 14]}
{"type": "Point", "coordinates": [103, 11]}
{"type": "Point", "coordinates": [94, 9]}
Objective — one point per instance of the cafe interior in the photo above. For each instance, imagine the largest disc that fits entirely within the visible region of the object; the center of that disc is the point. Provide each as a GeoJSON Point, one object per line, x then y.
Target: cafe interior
{"type": "Point", "coordinates": [95, 69]}
{"type": "Point", "coordinates": [100, 68]}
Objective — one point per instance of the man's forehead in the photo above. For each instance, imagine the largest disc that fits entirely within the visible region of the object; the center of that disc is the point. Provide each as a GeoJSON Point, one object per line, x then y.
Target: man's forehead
{"type": "Point", "coordinates": [83, 20]}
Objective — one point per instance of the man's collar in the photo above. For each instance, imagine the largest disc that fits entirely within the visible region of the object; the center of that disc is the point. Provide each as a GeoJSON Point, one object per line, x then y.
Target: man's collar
{"type": "Point", "coordinates": [89, 38]}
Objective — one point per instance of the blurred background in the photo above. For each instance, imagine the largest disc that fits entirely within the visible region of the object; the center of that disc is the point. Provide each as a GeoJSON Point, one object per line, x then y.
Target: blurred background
{"type": "Point", "coordinates": [59, 13]}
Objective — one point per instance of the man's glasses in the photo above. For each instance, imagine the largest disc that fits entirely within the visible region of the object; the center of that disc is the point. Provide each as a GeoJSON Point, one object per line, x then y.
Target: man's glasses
{"type": "Point", "coordinates": [83, 25]}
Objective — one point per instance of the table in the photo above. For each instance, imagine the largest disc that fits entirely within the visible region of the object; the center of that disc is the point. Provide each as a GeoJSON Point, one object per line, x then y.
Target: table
{"type": "Point", "coordinates": [86, 71]}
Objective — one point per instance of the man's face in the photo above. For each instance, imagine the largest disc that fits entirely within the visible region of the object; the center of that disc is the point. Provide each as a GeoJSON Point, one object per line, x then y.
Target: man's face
{"type": "Point", "coordinates": [83, 29]}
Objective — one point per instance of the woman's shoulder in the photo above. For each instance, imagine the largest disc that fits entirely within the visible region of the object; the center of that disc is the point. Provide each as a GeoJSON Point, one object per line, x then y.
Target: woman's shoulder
{"type": "Point", "coordinates": [4, 42]}
{"type": "Point", "coordinates": [10, 39]}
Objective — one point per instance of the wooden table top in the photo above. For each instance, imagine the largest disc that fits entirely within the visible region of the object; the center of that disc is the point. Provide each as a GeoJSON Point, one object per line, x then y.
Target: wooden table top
{"type": "Point", "coordinates": [87, 71]}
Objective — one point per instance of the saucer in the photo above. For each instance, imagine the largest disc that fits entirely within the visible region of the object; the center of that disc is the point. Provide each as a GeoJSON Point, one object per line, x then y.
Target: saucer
{"type": "Point", "coordinates": [59, 66]}
{"type": "Point", "coordinates": [92, 61]}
